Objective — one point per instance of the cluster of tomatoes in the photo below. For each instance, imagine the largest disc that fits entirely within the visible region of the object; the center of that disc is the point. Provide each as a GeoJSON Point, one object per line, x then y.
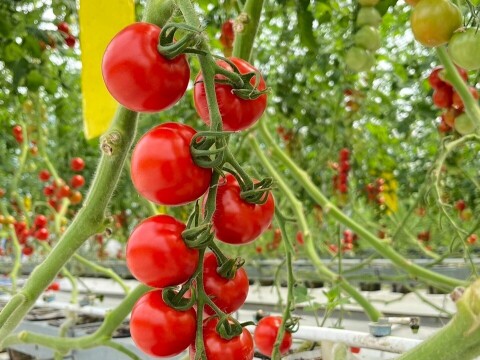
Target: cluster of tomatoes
{"type": "Point", "coordinates": [445, 97]}
{"type": "Point", "coordinates": [340, 180]}
{"type": "Point", "coordinates": [64, 30]}
{"type": "Point", "coordinates": [348, 242]}
{"type": "Point", "coordinates": [375, 191]}
{"type": "Point", "coordinates": [361, 57]}
{"type": "Point", "coordinates": [56, 190]}
{"type": "Point", "coordinates": [227, 37]}
{"type": "Point", "coordinates": [156, 253]}
{"type": "Point", "coordinates": [18, 133]}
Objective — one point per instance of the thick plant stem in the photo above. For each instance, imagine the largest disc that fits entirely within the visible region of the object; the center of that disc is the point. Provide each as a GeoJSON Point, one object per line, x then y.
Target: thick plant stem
{"type": "Point", "coordinates": [248, 22]}
{"type": "Point", "coordinates": [324, 272]}
{"type": "Point", "coordinates": [112, 320]}
{"type": "Point", "coordinates": [471, 105]}
{"type": "Point", "coordinates": [382, 248]}
{"type": "Point", "coordinates": [460, 339]}
{"type": "Point", "coordinates": [89, 220]}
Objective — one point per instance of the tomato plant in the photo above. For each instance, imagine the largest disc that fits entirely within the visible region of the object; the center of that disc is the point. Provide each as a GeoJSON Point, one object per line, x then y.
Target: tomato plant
{"type": "Point", "coordinates": [157, 255]}
{"type": "Point", "coordinates": [236, 221]}
{"type": "Point", "coordinates": [464, 48]}
{"type": "Point", "coordinates": [77, 164]}
{"type": "Point", "coordinates": [151, 325]}
{"type": "Point", "coordinates": [237, 113]}
{"type": "Point", "coordinates": [163, 169]}
{"type": "Point", "coordinates": [141, 79]}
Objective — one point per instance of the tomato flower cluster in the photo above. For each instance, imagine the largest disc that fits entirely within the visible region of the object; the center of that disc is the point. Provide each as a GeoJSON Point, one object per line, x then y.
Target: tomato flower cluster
{"type": "Point", "coordinates": [360, 57]}
{"type": "Point", "coordinates": [445, 97]}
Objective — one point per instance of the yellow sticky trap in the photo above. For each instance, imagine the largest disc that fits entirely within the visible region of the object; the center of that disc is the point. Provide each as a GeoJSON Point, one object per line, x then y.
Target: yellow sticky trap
{"type": "Point", "coordinates": [97, 27]}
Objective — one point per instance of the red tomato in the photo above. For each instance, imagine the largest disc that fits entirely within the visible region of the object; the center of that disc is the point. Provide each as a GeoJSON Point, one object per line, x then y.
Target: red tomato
{"type": "Point", "coordinates": [266, 333]}
{"type": "Point", "coordinates": [157, 255]}
{"type": "Point", "coordinates": [27, 250]}
{"type": "Point", "coordinates": [344, 154]}
{"type": "Point", "coordinates": [163, 169]}
{"type": "Point", "coordinates": [137, 76]}
{"type": "Point", "coordinates": [75, 197]}
{"type": "Point", "coordinates": [460, 205]}
{"type": "Point", "coordinates": [63, 27]}
{"type": "Point", "coordinates": [63, 191]}
{"type": "Point", "coordinates": [228, 35]}
{"type": "Point", "coordinates": [236, 221]}
{"type": "Point", "coordinates": [77, 181]}
{"type": "Point", "coordinates": [17, 131]}
{"type": "Point", "coordinates": [472, 239]}
{"type": "Point", "coordinates": [354, 349]}
{"type": "Point", "coordinates": [44, 175]}
{"type": "Point", "coordinates": [218, 348]}
{"type": "Point", "coordinates": [237, 113]}
{"type": "Point", "coordinates": [457, 101]}
{"type": "Point", "coordinates": [159, 330]}
{"type": "Point", "coordinates": [299, 238]}
{"type": "Point", "coordinates": [48, 190]}
{"type": "Point", "coordinates": [41, 221]}
{"type": "Point", "coordinates": [70, 41]}
{"type": "Point", "coordinates": [442, 97]}
{"type": "Point", "coordinates": [434, 78]}
{"type": "Point", "coordinates": [228, 294]}
{"type": "Point", "coordinates": [77, 164]}
{"type": "Point", "coordinates": [55, 286]}
{"type": "Point", "coordinates": [42, 234]}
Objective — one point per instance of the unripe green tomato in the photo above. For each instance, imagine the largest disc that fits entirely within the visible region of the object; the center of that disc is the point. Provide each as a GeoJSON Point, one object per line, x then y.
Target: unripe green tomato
{"type": "Point", "coordinates": [359, 59]}
{"type": "Point", "coordinates": [464, 48]}
{"type": "Point", "coordinates": [368, 2]}
{"type": "Point", "coordinates": [368, 15]}
{"type": "Point", "coordinates": [434, 21]}
{"type": "Point", "coordinates": [368, 38]}
{"type": "Point", "coordinates": [464, 124]}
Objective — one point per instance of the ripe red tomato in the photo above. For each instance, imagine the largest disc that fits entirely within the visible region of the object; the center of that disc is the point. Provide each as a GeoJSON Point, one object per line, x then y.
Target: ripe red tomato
{"type": "Point", "coordinates": [434, 21]}
{"type": "Point", "coordinates": [236, 221]}
{"type": "Point", "coordinates": [228, 294]}
{"type": "Point", "coordinates": [460, 205]}
{"type": "Point", "coordinates": [237, 113]}
{"type": "Point", "coordinates": [157, 255]}
{"type": "Point", "coordinates": [266, 333]}
{"type": "Point", "coordinates": [70, 40]}
{"type": "Point", "coordinates": [63, 191]}
{"type": "Point", "coordinates": [55, 286]}
{"type": "Point", "coordinates": [40, 221]}
{"type": "Point", "coordinates": [299, 238]}
{"type": "Point", "coordinates": [218, 348]}
{"type": "Point", "coordinates": [472, 239]}
{"type": "Point", "coordinates": [41, 234]}
{"type": "Point", "coordinates": [443, 97]}
{"type": "Point", "coordinates": [457, 101]}
{"type": "Point", "coordinates": [141, 79]}
{"type": "Point", "coordinates": [77, 181]}
{"type": "Point", "coordinates": [63, 27]}
{"type": "Point", "coordinates": [48, 190]}
{"type": "Point", "coordinates": [77, 164]}
{"type": "Point", "coordinates": [27, 250]}
{"type": "Point", "coordinates": [44, 175]}
{"type": "Point", "coordinates": [17, 131]}
{"type": "Point", "coordinates": [163, 169]}
{"type": "Point", "coordinates": [434, 79]}
{"type": "Point", "coordinates": [159, 330]}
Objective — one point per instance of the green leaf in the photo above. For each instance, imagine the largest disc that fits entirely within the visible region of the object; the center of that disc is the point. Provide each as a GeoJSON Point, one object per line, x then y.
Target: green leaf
{"type": "Point", "coordinates": [12, 52]}
{"type": "Point", "coordinates": [383, 6]}
{"type": "Point", "coordinates": [300, 294]}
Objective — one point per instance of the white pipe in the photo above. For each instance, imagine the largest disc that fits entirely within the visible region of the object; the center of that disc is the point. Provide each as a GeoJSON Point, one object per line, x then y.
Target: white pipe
{"type": "Point", "coordinates": [391, 344]}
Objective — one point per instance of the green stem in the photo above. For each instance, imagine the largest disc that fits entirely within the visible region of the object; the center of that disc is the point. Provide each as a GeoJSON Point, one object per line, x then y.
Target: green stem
{"type": "Point", "coordinates": [384, 249]}
{"type": "Point", "coordinates": [88, 221]}
{"type": "Point", "coordinates": [311, 251]}
{"type": "Point", "coordinates": [460, 339]}
{"type": "Point", "coordinates": [119, 347]}
{"type": "Point", "coordinates": [249, 19]}
{"type": "Point", "coordinates": [199, 346]}
{"type": "Point", "coordinates": [112, 320]}
{"type": "Point", "coordinates": [17, 251]}
{"type": "Point", "coordinates": [102, 270]}
{"type": "Point", "coordinates": [471, 106]}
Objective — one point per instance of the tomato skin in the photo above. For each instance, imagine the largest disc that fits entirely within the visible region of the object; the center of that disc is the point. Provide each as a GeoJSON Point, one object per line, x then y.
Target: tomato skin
{"type": "Point", "coordinates": [77, 181]}
{"type": "Point", "coordinates": [443, 97]}
{"type": "Point", "coordinates": [464, 124]}
{"type": "Point", "coordinates": [368, 38]}
{"type": "Point", "coordinates": [42, 234]}
{"type": "Point", "coordinates": [228, 294]}
{"type": "Point", "coordinates": [457, 101]}
{"type": "Point", "coordinates": [236, 221]}
{"type": "Point", "coordinates": [163, 170]}
{"type": "Point", "coordinates": [368, 15]}
{"type": "Point", "coordinates": [159, 330]}
{"type": "Point", "coordinates": [77, 164]}
{"type": "Point", "coordinates": [40, 221]}
{"type": "Point", "coordinates": [141, 79]}
{"type": "Point", "coordinates": [266, 333]}
{"type": "Point", "coordinates": [44, 175]}
{"type": "Point", "coordinates": [63, 27]}
{"type": "Point", "coordinates": [157, 255]}
{"type": "Point", "coordinates": [464, 49]}
{"type": "Point", "coordinates": [434, 21]}
{"type": "Point", "coordinates": [359, 59]}
{"type": "Point", "coordinates": [218, 348]}
{"type": "Point", "coordinates": [227, 36]}
{"type": "Point", "coordinates": [237, 113]}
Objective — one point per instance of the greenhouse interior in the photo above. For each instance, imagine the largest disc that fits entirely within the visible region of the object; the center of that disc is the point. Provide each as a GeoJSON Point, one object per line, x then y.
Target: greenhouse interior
{"type": "Point", "coordinates": [239, 179]}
